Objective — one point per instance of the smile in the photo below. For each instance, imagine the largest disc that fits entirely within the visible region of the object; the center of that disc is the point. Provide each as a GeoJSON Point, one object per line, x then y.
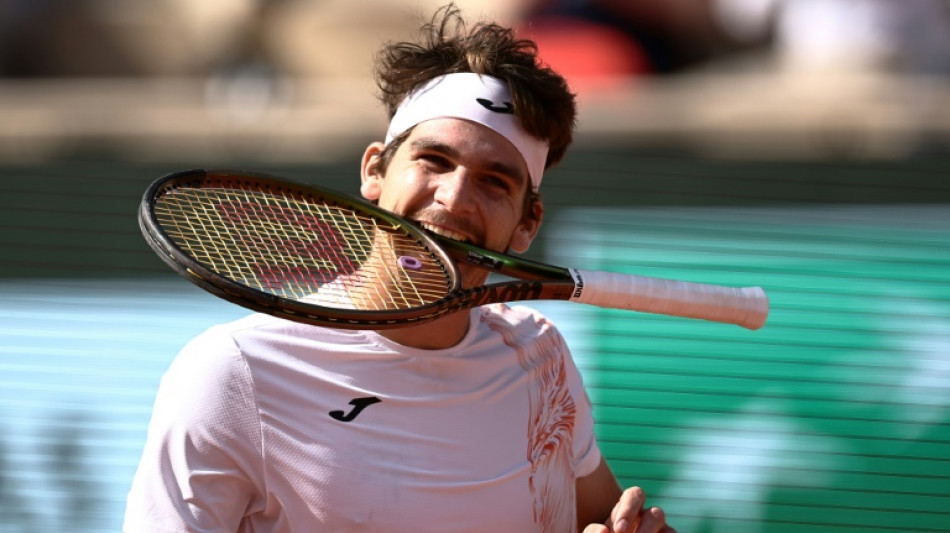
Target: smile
{"type": "Point", "coordinates": [438, 230]}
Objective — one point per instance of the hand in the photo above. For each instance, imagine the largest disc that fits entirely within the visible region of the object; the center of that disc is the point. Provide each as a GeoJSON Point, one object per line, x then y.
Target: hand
{"type": "Point", "coordinates": [629, 516]}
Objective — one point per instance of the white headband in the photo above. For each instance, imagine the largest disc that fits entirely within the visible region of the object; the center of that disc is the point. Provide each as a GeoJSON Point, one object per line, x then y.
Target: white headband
{"type": "Point", "coordinates": [482, 99]}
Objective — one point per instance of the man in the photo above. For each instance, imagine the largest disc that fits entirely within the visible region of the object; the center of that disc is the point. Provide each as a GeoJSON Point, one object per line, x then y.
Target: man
{"type": "Point", "coordinates": [475, 422]}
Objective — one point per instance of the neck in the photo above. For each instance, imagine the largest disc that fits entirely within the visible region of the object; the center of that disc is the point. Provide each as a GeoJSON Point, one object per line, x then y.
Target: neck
{"type": "Point", "coordinates": [446, 331]}
{"type": "Point", "coordinates": [435, 335]}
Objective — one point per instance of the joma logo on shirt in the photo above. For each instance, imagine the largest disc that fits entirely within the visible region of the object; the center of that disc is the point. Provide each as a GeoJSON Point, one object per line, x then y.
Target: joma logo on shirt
{"type": "Point", "coordinates": [358, 405]}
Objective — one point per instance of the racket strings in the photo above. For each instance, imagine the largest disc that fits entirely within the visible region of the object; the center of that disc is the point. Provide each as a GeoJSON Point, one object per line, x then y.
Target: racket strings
{"type": "Point", "coordinates": [303, 248]}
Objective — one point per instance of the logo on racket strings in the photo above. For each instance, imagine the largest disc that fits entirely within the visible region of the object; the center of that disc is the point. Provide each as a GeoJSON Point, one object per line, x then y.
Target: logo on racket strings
{"type": "Point", "coordinates": [280, 256]}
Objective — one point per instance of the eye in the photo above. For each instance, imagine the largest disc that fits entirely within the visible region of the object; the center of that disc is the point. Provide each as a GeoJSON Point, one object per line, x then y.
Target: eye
{"type": "Point", "coordinates": [435, 161]}
{"type": "Point", "coordinates": [498, 182]}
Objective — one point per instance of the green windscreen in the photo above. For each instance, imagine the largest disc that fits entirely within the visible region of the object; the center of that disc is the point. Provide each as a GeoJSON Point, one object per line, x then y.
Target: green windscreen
{"type": "Point", "coordinates": [835, 417]}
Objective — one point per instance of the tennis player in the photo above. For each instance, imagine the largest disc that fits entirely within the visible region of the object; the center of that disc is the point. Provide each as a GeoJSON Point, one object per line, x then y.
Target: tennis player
{"type": "Point", "coordinates": [475, 422]}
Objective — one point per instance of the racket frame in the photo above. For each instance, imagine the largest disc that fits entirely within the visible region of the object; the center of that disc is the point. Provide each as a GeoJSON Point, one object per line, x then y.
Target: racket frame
{"type": "Point", "coordinates": [533, 280]}
{"type": "Point", "coordinates": [257, 300]}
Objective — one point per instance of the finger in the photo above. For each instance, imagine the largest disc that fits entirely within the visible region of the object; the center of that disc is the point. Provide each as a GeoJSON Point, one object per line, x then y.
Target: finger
{"type": "Point", "coordinates": [653, 520]}
{"type": "Point", "coordinates": [596, 528]}
{"type": "Point", "coordinates": [627, 517]}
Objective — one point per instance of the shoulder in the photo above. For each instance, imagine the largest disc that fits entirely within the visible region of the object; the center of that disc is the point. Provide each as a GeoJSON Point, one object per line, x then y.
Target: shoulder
{"type": "Point", "coordinates": [523, 326]}
{"type": "Point", "coordinates": [518, 316]}
{"type": "Point", "coordinates": [512, 314]}
{"type": "Point", "coordinates": [263, 353]}
{"type": "Point", "coordinates": [219, 356]}
{"type": "Point", "coordinates": [257, 334]}
{"type": "Point", "coordinates": [208, 368]}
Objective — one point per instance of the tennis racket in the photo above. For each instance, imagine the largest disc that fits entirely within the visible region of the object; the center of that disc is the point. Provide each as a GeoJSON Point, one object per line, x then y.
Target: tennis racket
{"type": "Point", "coordinates": [320, 257]}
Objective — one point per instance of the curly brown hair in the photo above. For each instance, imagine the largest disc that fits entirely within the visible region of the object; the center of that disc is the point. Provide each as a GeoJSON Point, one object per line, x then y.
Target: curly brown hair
{"type": "Point", "coordinates": [541, 97]}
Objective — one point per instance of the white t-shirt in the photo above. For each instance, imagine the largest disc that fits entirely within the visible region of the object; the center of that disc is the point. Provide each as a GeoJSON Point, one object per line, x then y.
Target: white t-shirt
{"type": "Point", "coordinates": [269, 426]}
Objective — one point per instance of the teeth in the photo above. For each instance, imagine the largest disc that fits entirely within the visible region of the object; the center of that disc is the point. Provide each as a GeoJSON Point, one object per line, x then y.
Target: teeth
{"type": "Point", "coordinates": [444, 232]}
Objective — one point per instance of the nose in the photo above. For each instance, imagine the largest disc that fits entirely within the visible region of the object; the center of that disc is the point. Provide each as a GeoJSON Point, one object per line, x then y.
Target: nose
{"type": "Point", "coordinates": [453, 190]}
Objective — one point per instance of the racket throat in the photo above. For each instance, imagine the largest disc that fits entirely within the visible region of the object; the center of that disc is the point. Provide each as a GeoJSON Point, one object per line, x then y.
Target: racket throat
{"type": "Point", "coordinates": [497, 293]}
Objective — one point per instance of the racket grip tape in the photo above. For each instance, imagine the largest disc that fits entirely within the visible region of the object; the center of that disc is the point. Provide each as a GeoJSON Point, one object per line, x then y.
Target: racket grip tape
{"type": "Point", "coordinates": [747, 306]}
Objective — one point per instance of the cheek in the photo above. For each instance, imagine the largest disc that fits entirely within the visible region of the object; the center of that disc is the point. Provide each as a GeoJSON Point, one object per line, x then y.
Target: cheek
{"type": "Point", "coordinates": [398, 192]}
{"type": "Point", "coordinates": [503, 229]}
{"type": "Point", "coordinates": [523, 229]}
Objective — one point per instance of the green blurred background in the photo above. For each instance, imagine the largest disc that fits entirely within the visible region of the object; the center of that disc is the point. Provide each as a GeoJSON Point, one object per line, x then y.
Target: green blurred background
{"type": "Point", "coordinates": [716, 143]}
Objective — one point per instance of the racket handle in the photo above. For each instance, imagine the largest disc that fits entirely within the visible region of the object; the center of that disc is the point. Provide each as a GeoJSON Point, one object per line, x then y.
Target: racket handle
{"type": "Point", "coordinates": [747, 307]}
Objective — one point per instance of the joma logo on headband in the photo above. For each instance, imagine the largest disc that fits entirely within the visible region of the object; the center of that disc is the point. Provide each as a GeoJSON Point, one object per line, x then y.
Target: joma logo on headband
{"type": "Point", "coordinates": [507, 109]}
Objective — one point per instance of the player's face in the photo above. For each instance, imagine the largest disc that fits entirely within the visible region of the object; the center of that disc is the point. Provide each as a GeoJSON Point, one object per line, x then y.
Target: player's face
{"type": "Point", "coordinates": [459, 179]}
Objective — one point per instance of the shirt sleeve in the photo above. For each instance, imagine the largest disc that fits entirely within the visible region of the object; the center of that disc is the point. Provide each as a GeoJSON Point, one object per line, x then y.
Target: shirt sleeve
{"type": "Point", "coordinates": [586, 451]}
{"type": "Point", "coordinates": [201, 467]}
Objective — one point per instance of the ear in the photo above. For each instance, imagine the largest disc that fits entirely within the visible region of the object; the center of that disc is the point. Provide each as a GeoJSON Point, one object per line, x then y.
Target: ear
{"type": "Point", "coordinates": [527, 229]}
{"type": "Point", "coordinates": [371, 175]}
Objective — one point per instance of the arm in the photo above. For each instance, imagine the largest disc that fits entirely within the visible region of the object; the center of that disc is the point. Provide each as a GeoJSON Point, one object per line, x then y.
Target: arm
{"type": "Point", "coordinates": [200, 468]}
{"type": "Point", "coordinates": [596, 495]}
{"type": "Point", "coordinates": [603, 508]}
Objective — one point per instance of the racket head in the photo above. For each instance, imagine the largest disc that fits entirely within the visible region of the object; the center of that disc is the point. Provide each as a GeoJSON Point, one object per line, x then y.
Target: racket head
{"type": "Point", "coordinates": [295, 251]}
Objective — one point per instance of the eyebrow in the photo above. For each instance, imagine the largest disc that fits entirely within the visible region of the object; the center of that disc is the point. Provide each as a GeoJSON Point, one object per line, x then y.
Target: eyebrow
{"type": "Point", "coordinates": [431, 143]}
